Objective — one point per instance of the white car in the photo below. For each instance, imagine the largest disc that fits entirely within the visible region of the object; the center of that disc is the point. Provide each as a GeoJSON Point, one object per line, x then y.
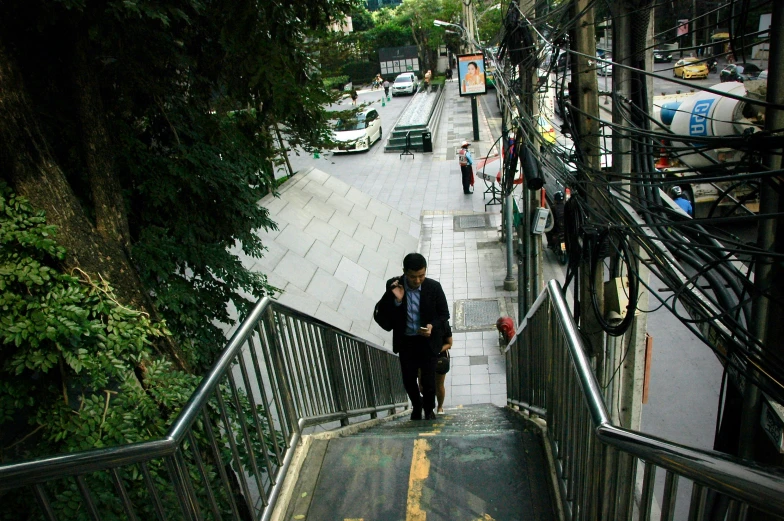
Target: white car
{"type": "Point", "coordinates": [358, 132]}
{"type": "Point", "coordinates": [406, 83]}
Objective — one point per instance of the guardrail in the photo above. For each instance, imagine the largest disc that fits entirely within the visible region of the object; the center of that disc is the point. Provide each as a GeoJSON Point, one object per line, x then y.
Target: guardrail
{"type": "Point", "coordinates": [230, 447]}
{"type": "Point", "coordinates": [600, 466]}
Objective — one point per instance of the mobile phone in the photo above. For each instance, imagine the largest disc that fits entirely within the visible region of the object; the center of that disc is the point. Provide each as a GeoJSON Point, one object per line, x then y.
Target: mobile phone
{"type": "Point", "coordinates": [423, 329]}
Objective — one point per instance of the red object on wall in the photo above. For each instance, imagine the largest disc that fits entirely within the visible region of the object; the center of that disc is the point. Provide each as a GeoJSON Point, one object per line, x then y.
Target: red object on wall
{"type": "Point", "coordinates": [506, 326]}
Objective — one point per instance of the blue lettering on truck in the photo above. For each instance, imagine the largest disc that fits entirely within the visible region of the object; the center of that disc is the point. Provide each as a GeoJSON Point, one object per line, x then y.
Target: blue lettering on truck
{"type": "Point", "coordinates": [698, 123]}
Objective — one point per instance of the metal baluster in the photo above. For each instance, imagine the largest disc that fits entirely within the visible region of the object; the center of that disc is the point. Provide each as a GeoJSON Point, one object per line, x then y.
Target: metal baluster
{"type": "Point", "coordinates": [257, 369]}
{"type": "Point", "coordinates": [319, 372]}
{"type": "Point", "coordinates": [233, 447]}
{"type": "Point", "coordinates": [333, 366]}
{"type": "Point", "coordinates": [669, 497]}
{"type": "Point", "coordinates": [300, 369]}
{"type": "Point", "coordinates": [387, 362]}
{"type": "Point", "coordinates": [370, 395]}
{"type": "Point", "coordinates": [178, 476]}
{"type": "Point", "coordinates": [219, 462]}
{"type": "Point", "coordinates": [156, 500]}
{"type": "Point", "coordinates": [88, 498]}
{"type": "Point", "coordinates": [648, 480]}
{"type": "Point", "coordinates": [204, 476]}
{"type": "Point", "coordinates": [256, 422]}
{"type": "Point", "coordinates": [697, 506]}
{"type": "Point", "coordinates": [246, 437]}
{"type": "Point", "coordinates": [43, 501]}
{"type": "Point", "coordinates": [291, 364]}
{"type": "Point", "coordinates": [609, 496]}
{"type": "Point", "coordinates": [126, 501]}
{"type": "Point", "coordinates": [280, 376]}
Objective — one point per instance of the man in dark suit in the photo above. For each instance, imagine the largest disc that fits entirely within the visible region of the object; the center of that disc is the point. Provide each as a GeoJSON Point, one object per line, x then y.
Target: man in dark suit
{"type": "Point", "coordinates": [416, 308]}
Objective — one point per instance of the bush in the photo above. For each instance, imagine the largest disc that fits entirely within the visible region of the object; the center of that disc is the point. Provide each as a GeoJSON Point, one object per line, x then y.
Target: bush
{"type": "Point", "coordinates": [361, 72]}
{"type": "Point", "coordinates": [335, 82]}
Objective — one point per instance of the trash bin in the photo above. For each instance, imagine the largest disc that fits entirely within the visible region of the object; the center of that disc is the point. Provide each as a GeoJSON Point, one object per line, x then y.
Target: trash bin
{"type": "Point", "coordinates": [427, 141]}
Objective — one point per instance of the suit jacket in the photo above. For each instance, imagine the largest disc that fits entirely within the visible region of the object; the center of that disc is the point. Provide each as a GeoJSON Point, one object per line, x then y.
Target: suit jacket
{"type": "Point", "coordinates": [433, 309]}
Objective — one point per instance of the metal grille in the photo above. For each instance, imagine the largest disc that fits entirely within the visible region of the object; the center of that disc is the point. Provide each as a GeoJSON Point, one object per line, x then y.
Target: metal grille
{"type": "Point", "coordinates": [472, 221]}
{"type": "Point", "coordinates": [478, 314]}
{"type": "Point", "coordinates": [481, 312]}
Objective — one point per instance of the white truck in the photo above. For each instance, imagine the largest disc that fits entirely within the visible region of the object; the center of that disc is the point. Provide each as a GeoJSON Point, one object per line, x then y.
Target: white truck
{"type": "Point", "coordinates": [707, 114]}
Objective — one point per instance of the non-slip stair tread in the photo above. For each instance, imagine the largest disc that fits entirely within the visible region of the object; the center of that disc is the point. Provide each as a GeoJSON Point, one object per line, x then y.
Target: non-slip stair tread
{"type": "Point", "coordinates": [499, 476]}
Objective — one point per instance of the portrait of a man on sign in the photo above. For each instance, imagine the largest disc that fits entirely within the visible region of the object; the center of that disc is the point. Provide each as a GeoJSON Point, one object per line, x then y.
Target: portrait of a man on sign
{"type": "Point", "coordinates": [471, 74]}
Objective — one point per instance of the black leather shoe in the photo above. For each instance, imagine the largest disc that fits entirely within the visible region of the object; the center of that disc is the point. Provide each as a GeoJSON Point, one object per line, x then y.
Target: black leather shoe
{"type": "Point", "coordinates": [430, 415]}
{"type": "Point", "coordinates": [416, 414]}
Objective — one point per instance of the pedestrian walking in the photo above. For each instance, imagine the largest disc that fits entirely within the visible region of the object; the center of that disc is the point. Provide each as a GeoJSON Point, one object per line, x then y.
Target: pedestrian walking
{"type": "Point", "coordinates": [415, 309]}
{"type": "Point", "coordinates": [386, 88]}
{"type": "Point", "coordinates": [354, 96]}
{"type": "Point", "coordinates": [466, 162]}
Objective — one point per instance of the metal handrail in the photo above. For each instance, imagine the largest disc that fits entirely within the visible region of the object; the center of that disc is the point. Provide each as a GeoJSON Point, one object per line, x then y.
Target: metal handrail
{"type": "Point", "coordinates": [550, 374]}
{"type": "Point", "coordinates": [241, 404]}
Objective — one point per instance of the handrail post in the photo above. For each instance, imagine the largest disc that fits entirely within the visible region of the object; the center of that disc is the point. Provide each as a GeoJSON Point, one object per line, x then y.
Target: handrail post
{"type": "Point", "coordinates": [391, 383]}
{"type": "Point", "coordinates": [368, 378]}
{"type": "Point", "coordinates": [335, 372]}
{"type": "Point", "coordinates": [280, 369]}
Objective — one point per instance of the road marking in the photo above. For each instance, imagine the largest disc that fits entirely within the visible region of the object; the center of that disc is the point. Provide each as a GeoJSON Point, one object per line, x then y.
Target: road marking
{"type": "Point", "coordinates": [420, 469]}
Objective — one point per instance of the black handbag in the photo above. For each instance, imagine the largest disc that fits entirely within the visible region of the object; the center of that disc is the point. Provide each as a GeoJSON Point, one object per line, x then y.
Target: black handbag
{"type": "Point", "coordinates": [442, 364]}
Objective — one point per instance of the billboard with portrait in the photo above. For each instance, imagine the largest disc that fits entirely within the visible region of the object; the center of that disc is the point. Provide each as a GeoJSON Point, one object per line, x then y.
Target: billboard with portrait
{"type": "Point", "coordinates": [471, 74]}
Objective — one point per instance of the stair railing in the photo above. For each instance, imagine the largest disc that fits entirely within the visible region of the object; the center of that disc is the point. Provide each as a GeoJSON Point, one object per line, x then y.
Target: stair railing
{"type": "Point", "coordinates": [608, 472]}
{"type": "Point", "coordinates": [281, 374]}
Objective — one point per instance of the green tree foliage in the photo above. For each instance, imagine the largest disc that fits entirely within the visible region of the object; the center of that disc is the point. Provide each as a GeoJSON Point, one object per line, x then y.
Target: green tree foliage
{"type": "Point", "coordinates": [168, 75]}
{"type": "Point", "coordinates": [79, 361]}
{"type": "Point", "coordinates": [156, 122]}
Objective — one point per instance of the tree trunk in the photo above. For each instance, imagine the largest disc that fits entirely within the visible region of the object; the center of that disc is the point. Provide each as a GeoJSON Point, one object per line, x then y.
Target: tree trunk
{"type": "Point", "coordinates": [27, 163]}
{"type": "Point", "coordinates": [110, 213]}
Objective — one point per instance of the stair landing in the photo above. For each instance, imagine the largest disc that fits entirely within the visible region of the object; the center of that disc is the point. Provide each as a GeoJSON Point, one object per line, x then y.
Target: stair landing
{"type": "Point", "coordinates": [477, 462]}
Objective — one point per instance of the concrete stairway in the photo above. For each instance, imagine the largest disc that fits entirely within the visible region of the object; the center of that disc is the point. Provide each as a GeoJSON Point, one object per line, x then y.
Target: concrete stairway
{"type": "Point", "coordinates": [478, 462]}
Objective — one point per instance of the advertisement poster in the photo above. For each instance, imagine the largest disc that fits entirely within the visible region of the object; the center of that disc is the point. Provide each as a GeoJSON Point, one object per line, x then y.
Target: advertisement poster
{"type": "Point", "coordinates": [471, 74]}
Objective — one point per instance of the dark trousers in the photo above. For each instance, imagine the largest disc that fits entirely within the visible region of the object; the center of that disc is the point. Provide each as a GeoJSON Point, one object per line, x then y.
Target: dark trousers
{"type": "Point", "coordinates": [467, 173]}
{"type": "Point", "coordinates": [414, 356]}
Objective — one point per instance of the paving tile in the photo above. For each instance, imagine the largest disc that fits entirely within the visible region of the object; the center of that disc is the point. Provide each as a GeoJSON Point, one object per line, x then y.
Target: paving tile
{"type": "Point", "coordinates": [362, 215]}
{"type": "Point", "coordinates": [379, 209]}
{"type": "Point", "coordinates": [295, 298]}
{"type": "Point", "coordinates": [296, 198]}
{"type": "Point", "coordinates": [295, 269]}
{"type": "Point", "coordinates": [319, 209]}
{"type": "Point", "coordinates": [357, 307]}
{"type": "Point", "coordinates": [347, 246]}
{"type": "Point", "coordinates": [460, 390]}
{"type": "Point", "coordinates": [319, 229]}
{"type": "Point", "coordinates": [362, 200]}
{"type": "Point", "coordinates": [295, 240]}
{"type": "Point", "coordinates": [373, 262]}
{"type": "Point", "coordinates": [336, 185]}
{"type": "Point", "coordinates": [352, 274]}
{"type": "Point", "coordinates": [318, 191]}
{"type": "Point", "coordinates": [272, 256]}
{"type": "Point", "coordinates": [332, 317]}
{"type": "Point", "coordinates": [344, 223]}
{"type": "Point", "coordinates": [340, 203]}
{"type": "Point", "coordinates": [326, 289]}
{"type": "Point", "coordinates": [374, 287]}
{"type": "Point", "coordinates": [367, 236]}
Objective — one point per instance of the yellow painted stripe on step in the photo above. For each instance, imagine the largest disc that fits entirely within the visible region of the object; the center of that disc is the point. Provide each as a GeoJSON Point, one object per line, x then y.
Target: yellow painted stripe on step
{"type": "Point", "coordinates": [420, 469]}
{"type": "Point", "coordinates": [485, 517]}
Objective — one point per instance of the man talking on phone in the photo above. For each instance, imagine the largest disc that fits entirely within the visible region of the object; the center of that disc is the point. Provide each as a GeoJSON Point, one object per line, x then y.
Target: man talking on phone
{"type": "Point", "coordinates": [416, 308]}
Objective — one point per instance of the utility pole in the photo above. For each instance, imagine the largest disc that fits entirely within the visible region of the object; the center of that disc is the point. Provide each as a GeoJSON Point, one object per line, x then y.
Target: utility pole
{"type": "Point", "coordinates": [767, 313]}
{"type": "Point", "coordinates": [587, 133]}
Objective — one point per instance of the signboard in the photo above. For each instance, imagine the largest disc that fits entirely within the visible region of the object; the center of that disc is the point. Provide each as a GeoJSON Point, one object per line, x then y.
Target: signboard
{"type": "Point", "coordinates": [471, 74]}
{"type": "Point", "coordinates": [683, 27]}
{"type": "Point", "coordinates": [394, 60]}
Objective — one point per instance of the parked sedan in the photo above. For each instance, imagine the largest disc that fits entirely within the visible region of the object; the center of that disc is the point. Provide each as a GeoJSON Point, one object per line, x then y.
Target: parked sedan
{"type": "Point", "coordinates": [739, 72]}
{"type": "Point", "coordinates": [358, 132]}
{"type": "Point", "coordinates": [688, 68]}
{"type": "Point", "coordinates": [660, 56]}
{"type": "Point", "coordinates": [406, 83]}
